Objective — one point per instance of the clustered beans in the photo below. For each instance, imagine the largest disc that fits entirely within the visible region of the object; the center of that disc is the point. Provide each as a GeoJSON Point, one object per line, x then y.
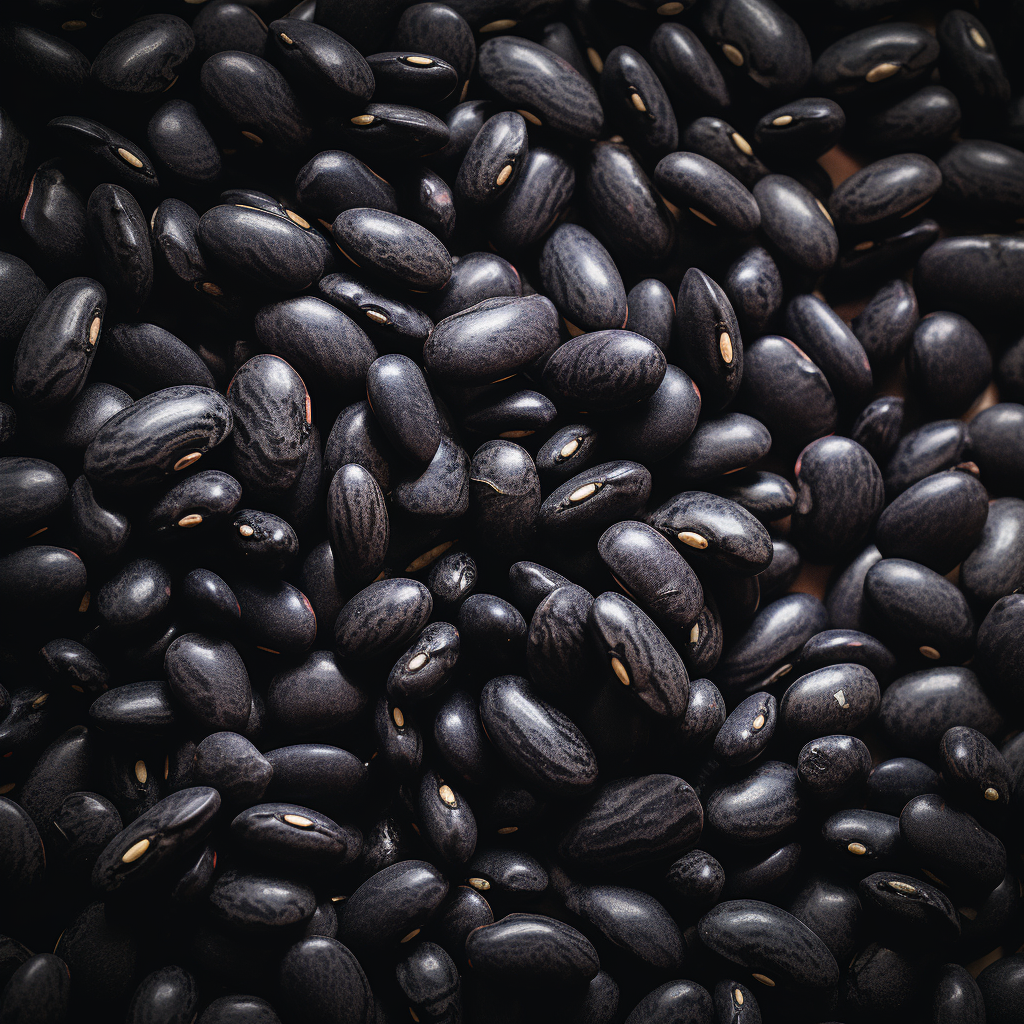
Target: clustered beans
{"type": "Point", "coordinates": [426, 432]}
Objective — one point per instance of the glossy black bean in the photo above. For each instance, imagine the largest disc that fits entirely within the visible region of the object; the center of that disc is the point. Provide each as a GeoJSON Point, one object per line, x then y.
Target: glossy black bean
{"type": "Point", "coordinates": [832, 910]}
{"type": "Point", "coordinates": [886, 325]}
{"type": "Point", "coordinates": [861, 841]}
{"type": "Point", "coordinates": [824, 337]}
{"type": "Point", "coordinates": [695, 880]}
{"type": "Point", "coordinates": [326, 778]}
{"type": "Point", "coordinates": [938, 445]}
{"type": "Point", "coordinates": [975, 771]}
{"type": "Point", "coordinates": [505, 492]}
{"type": "Point", "coordinates": [536, 199]}
{"type": "Point", "coordinates": [402, 403]}
{"type": "Point", "coordinates": [771, 942]}
{"type": "Point", "coordinates": [475, 277]}
{"type": "Point", "coordinates": [996, 434]}
{"type": "Point", "coordinates": [969, 61]}
{"type": "Point", "coordinates": [558, 652]}
{"type": "Point", "coordinates": [319, 975]}
{"type": "Point", "coordinates": [334, 181]}
{"type": "Point", "coordinates": [891, 784]}
{"type": "Point", "coordinates": [493, 160]}
{"type": "Point", "coordinates": [31, 493]}
{"type": "Point", "coordinates": [228, 26]}
{"type": "Point", "coordinates": [719, 446]}
{"type": "Point", "coordinates": [998, 646]}
{"type": "Point", "coordinates": [509, 875]}
{"type": "Point", "coordinates": [831, 766]}
{"type": "Point", "coordinates": [760, 807]}
{"type": "Point", "coordinates": [784, 569]}
{"type": "Point", "coordinates": [714, 532]}
{"type": "Point", "coordinates": [582, 280]}
{"type": "Point", "coordinates": [984, 178]}
{"type": "Point", "coordinates": [834, 699]}
{"type": "Point", "coordinates": [893, 187]}
{"type": "Point", "coordinates": [391, 906]}
{"type": "Point", "coordinates": [437, 29]}
{"type": "Point", "coordinates": [635, 100]}
{"type": "Point", "coordinates": [208, 598]}
{"type": "Point", "coordinates": [42, 576]}
{"type": "Point", "coordinates": [920, 608]}
{"type": "Point", "coordinates": [936, 522]}
{"type": "Point", "coordinates": [705, 714]}
{"type": "Point", "coordinates": [834, 646]}
{"type": "Point", "coordinates": [381, 618]}
{"type": "Point", "coordinates": [528, 76]}
{"type": "Point", "coordinates": [110, 156]}
{"type": "Point", "coordinates": [950, 845]}
{"type": "Point", "coordinates": [651, 310]}
{"type": "Point", "coordinates": [975, 275]}
{"type": "Point", "coordinates": [918, 708]}
{"type": "Point", "coordinates": [877, 429]}
{"type": "Point", "coordinates": [145, 56]}
{"type": "Point", "coordinates": [948, 363]}
{"type": "Point", "coordinates": [620, 829]}
{"type": "Point", "coordinates": [629, 214]}
{"type": "Point", "coordinates": [786, 391]}
{"type": "Point", "coordinates": [530, 583]}
{"type": "Point", "coordinates": [708, 191]}
{"type": "Point", "coordinates": [859, 64]}
{"type": "Point", "coordinates": [295, 835]}
{"type": "Point", "coordinates": [39, 990]}
{"type": "Point", "coordinates": [717, 140]}
{"type": "Point", "coordinates": [174, 825]}
{"type": "Point", "coordinates": [804, 128]}
{"type": "Point", "coordinates": [518, 414]}
{"type": "Point", "coordinates": [140, 708]}
{"type": "Point", "coordinates": [919, 123]}
{"type": "Point", "coordinates": [425, 667]}
{"type": "Point", "coordinates": [23, 859]}
{"type": "Point", "coordinates": [796, 223]}
{"type": "Point", "coordinates": [207, 676]}
{"type": "Point", "coordinates": [134, 597]}
{"type": "Point", "coordinates": [523, 946]}
{"type": "Point", "coordinates": [772, 641]}
{"type": "Point", "coordinates": [595, 498]}
{"type": "Point", "coordinates": [761, 39]}
{"type": "Point", "coordinates": [390, 131]}
{"type": "Point", "coordinates": [744, 735]}
{"type": "Point", "coordinates": [492, 630]}
{"type": "Point", "coordinates": [839, 496]}
{"type": "Point", "coordinates": [21, 292]}
{"type": "Point", "coordinates": [1000, 985]}
{"type": "Point", "coordinates": [169, 993]}
{"type": "Point", "coordinates": [429, 979]}
{"type": "Point", "coordinates": [53, 217]}
{"type": "Point", "coordinates": [259, 904]}
{"type": "Point", "coordinates": [452, 578]}
{"type": "Point", "coordinates": [518, 331]}
{"type": "Point", "coordinates": [767, 496]}
{"type": "Point", "coordinates": [754, 288]}
{"type": "Point", "coordinates": [151, 358]}
{"type": "Point", "coordinates": [687, 69]}
{"type": "Point", "coordinates": [120, 239]}
{"type": "Point", "coordinates": [460, 738]}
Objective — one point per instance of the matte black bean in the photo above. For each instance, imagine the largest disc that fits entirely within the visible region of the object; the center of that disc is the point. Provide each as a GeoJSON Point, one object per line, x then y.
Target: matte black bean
{"type": "Point", "coordinates": [318, 977]}
{"type": "Point", "coordinates": [230, 764]}
{"type": "Point", "coordinates": [527, 74]}
{"type": "Point", "coordinates": [975, 275]}
{"type": "Point", "coordinates": [475, 277]}
{"type": "Point", "coordinates": [996, 434]}
{"type": "Point", "coordinates": [705, 714]}
{"type": "Point", "coordinates": [381, 617]}
{"type": "Point", "coordinates": [326, 778]}
{"type": "Point", "coordinates": [620, 828]}
{"type": "Point", "coordinates": [651, 310]}
{"type": "Point", "coordinates": [714, 532]}
{"type": "Point", "coordinates": [53, 217]}
{"type": "Point", "coordinates": [228, 26]}
{"type": "Point", "coordinates": [334, 181]}
{"type": "Point", "coordinates": [208, 677]}
{"type": "Point", "coordinates": [747, 731]}
{"type": "Point", "coordinates": [174, 825]}
{"type": "Point", "coordinates": [292, 834]}
{"type": "Point", "coordinates": [388, 906]}
{"type": "Point", "coordinates": [41, 576]}
{"type": "Point", "coordinates": [1000, 984]}
{"type": "Point", "coordinates": [920, 608]}
{"type": "Point", "coordinates": [39, 990]}
{"type": "Point", "coordinates": [508, 874]}
{"type": "Point", "coordinates": [695, 880]}
{"type": "Point", "coordinates": [151, 358]}
{"type": "Point", "coordinates": [859, 63]}
{"type": "Point", "coordinates": [636, 101]}
{"type": "Point", "coordinates": [839, 495]}
{"type": "Point", "coordinates": [969, 61]}
{"type": "Point", "coordinates": [629, 214]}
{"type": "Point", "coordinates": [951, 845]}
{"type": "Point", "coordinates": [101, 954]}
{"type": "Point", "coordinates": [135, 596]}
{"type": "Point", "coordinates": [182, 144]}
{"type": "Point", "coordinates": [169, 993]}
{"type": "Point", "coordinates": [582, 280]}
{"type": "Point", "coordinates": [754, 288]}
{"type": "Point", "coordinates": [772, 641]}
{"type": "Point", "coordinates": [760, 38]}
{"type": "Point", "coordinates": [536, 199]}
{"type": "Point", "coordinates": [984, 178]}
{"type": "Point", "coordinates": [21, 292]}
{"type": "Point", "coordinates": [145, 56]}
{"type": "Point", "coordinates": [796, 223]}
{"type": "Point", "coordinates": [686, 68]}
{"type": "Point", "coordinates": [834, 699]}
{"type": "Point", "coordinates": [518, 332]}
{"type": "Point", "coordinates": [595, 498]}
{"type": "Point", "coordinates": [31, 492]}
{"type": "Point", "coordinates": [918, 708]}
{"type": "Point", "coordinates": [260, 904]}
{"type": "Point", "coordinates": [110, 156]}
{"type": "Point", "coordinates": [505, 491]}
{"type": "Point", "coordinates": [821, 334]}
{"type": "Point", "coordinates": [719, 446]}
{"type": "Point", "coordinates": [391, 131]}
{"type": "Point", "coordinates": [770, 942]}
{"type": "Point", "coordinates": [492, 630]}
{"type": "Point", "coordinates": [932, 447]}
{"type": "Point", "coordinates": [708, 190]}
{"type": "Point", "coordinates": [717, 140]}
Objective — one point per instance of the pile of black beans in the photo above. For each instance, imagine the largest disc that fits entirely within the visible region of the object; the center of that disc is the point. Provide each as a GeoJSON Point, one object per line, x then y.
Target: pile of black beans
{"type": "Point", "coordinates": [490, 533]}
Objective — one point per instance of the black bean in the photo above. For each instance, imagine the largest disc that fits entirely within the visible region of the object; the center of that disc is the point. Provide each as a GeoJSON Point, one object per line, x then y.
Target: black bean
{"type": "Point", "coordinates": [537, 198]}
{"type": "Point", "coordinates": [40, 990]}
{"type": "Point", "coordinates": [582, 279]}
{"type": "Point", "coordinates": [593, 499]}
{"type": "Point", "coordinates": [948, 363]}
{"type": "Point", "coordinates": [996, 434]}
{"type": "Point", "coordinates": [796, 223]}
{"type": "Point", "coordinates": [316, 775]}
{"type": "Point", "coordinates": [878, 427]}
{"type": "Point", "coordinates": [749, 728]}
{"type": "Point", "coordinates": [875, 61]}
{"type": "Point", "coordinates": [689, 72]}
{"type": "Point", "coordinates": [318, 975]}
{"type": "Point", "coordinates": [708, 191]}
{"type": "Point", "coordinates": [984, 178]}
{"type": "Point", "coordinates": [956, 996]}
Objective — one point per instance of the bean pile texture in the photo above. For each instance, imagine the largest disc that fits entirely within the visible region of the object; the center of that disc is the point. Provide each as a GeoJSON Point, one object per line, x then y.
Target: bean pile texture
{"type": "Point", "coordinates": [426, 431]}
